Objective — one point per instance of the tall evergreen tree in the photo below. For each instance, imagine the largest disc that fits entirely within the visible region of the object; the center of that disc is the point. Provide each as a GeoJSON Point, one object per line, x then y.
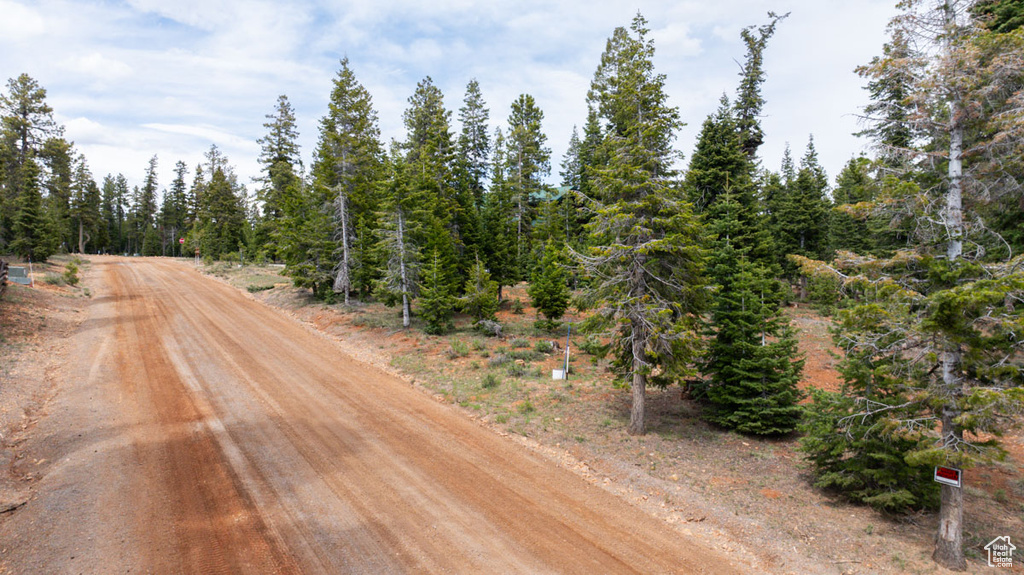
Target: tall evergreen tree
{"type": "Point", "coordinates": [752, 359]}
{"type": "Point", "coordinates": [221, 219]}
{"type": "Point", "coordinates": [949, 313]}
{"type": "Point", "coordinates": [527, 164]}
{"type": "Point", "coordinates": [888, 116]}
{"type": "Point", "coordinates": [801, 212]}
{"type": "Point", "coordinates": [498, 222]}
{"type": "Point", "coordinates": [474, 144]}
{"type": "Point", "coordinates": [280, 161]}
{"type": "Point", "coordinates": [85, 208]}
{"type": "Point", "coordinates": [403, 209]}
{"type": "Point", "coordinates": [748, 98]}
{"type": "Point", "coordinates": [433, 170]}
{"type": "Point", "coordinates": [34, 234]}
{"type": "Point", "coordinates": [646, 262]}
{"type": "Point", "coordinates": [346, 171]}
{"type": "Point", "coordinates": [174, 212]}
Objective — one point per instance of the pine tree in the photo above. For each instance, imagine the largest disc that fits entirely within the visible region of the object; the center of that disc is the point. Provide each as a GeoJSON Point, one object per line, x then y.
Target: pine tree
{"type": "Point", "coordinates": [480, 298]}
{"type": "Point", "coordinates": [851, 227]}
{"type": "Point", "coordinates": [434, 173]}
{"type": "Point", "coordinates": [348, 168]}
{"type": "Point", "coordinates": [888, 117]}
{"type": "Point", "coordinates": [174, 211]}
{"type": "Point", "coordinates": [527, 164]}
{"type": "Point", "coordinates": [436, 303]}
{"type": "Point", "coordinates": [303, 238]}
{"type": "Point", "coordinates": [403, 209]}
{"type": "Point", "coordinates": [801, 212]}
{"type": "Point", "coordinates": [280, 161]}
{"type": "Point", "coordinates": [854, 454]}
{"type": "Point", "coordinates": [85, 207]}
{"type": "Point", "coordinates": [474, 145]}
{"type": "Point", "coordinates": [949, 314]}
{"type": "Point", "coordinates": [752, 359]}
{"type": "Point", "coordinates": [574, 166]}
{"type": "Point", "coordinates": [748, 98]}
{"type": "Point", "coordinates": [549, 287]}
{"type": "Point", "coordinates": [718, 166]}
{"type": "Point", "coordinates": [26, 123]}
{"type": "Point", "coordinates": [221, 218]}
{"type": "Point", "coordinates": [646, 262]}
{"type": "Point", "coordinates": [35, 235]}
{"type": "Point", "coordinates": [498, 222]}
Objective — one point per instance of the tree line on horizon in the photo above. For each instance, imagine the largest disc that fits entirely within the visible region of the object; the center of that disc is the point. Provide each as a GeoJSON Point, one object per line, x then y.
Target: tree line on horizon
{"type": "Point", "coordinates": [915, 250]}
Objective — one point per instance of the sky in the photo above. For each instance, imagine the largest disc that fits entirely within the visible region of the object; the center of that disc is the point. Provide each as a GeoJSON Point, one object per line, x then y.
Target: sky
{"type": "Point", "coordinates": [132, 78]}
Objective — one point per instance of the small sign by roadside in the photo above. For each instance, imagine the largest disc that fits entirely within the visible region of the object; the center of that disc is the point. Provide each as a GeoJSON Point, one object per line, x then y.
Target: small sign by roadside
{"type": "Point", "coordinates": [949, 476]}
{"type": "Point", "coordinates": [181, 241]}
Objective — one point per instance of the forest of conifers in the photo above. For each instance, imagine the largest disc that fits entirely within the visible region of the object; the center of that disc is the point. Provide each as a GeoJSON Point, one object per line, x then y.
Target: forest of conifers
{"type": "Point", "coordinates": [682, 266]}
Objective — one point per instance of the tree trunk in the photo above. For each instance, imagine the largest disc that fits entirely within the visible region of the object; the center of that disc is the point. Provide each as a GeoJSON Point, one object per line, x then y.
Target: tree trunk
{"type": "Point", "coordinates": [341, 280]}
{"type": "Point", "coordinates": [81, 237]}
{"type": "Point", "coordinates": [949, 540]}
{"type": "Point", "coordinates": [404, 280]}
{"type": "Point", "coordinates": [953, 216]}
{"type": "Point", "coordinates": [637, 422]}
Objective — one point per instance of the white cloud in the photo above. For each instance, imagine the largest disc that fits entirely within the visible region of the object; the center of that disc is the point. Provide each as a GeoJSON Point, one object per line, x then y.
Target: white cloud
{"type": "Point", "coordinates": [20, 22]}
{"type": "Point", "coordinates": [151, 76]}
{"type": "Point", "coordinates": [99, 67]}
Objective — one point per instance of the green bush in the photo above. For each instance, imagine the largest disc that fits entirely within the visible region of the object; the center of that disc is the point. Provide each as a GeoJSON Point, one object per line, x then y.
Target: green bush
{"type": "Point", "coordinates": [593, 346]}
{"type": "Point", "coordinates": [517, 307]}
{"type": "Point", "coordinates": [824, 291]}
{"type": "Point", "coordinates": [490, 381]}
{"type": "Point", "coordinates": [457, 349]}
{"type": "Point", "coordinates": [543, 346]}
{"type": "Point", "coordinates": [516, 370]}
{"type": "Point", "coordinates": [524, 354]}
{"type": "Point", "coordinates": [71, 273]}
{"type": "Point", "coordinates": [854, 456]}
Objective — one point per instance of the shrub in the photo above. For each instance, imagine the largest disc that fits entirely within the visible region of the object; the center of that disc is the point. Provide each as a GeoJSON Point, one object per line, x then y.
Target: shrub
{"type": "Point", "coordinates": [593, 346]}
{"type": "Point", "coordinates": [524, 354]}
{"type": "Point", "coordinates": [488, 327]}
{"type": "Point", "coordinates": [498, 359]}
{"type": "Point", "coordinates": [54, 279]}
{"type": "Point", "coordinates": [71, 273]}
{"type": "Point", "coordinates": [544, 346]}
{"type": "Point", "coordinates": [520, 342]}
{"type": "Point", "coordinates": [517, 307]}
{"type": "Point", "coordinates": [490, 381]}
{"type": "Point", "coordinates": [457, 348]}
{"type": "Point", "coordinates": [516, 370]}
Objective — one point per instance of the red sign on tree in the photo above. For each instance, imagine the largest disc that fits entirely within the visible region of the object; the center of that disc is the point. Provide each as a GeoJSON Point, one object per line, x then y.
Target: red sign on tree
{"type": "Point", "coordinates": [181, 241]}
{"type": "Point", "coordinates": [949, 476]}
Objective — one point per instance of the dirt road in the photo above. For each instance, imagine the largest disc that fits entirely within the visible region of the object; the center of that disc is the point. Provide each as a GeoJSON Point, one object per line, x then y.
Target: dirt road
{"type": "Point", "coordinates": [198, 431]}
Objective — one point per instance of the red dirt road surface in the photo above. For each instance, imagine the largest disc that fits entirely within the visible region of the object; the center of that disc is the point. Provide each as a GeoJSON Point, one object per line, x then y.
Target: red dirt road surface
{"type": "Point", "coordinates": [199, 431]}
